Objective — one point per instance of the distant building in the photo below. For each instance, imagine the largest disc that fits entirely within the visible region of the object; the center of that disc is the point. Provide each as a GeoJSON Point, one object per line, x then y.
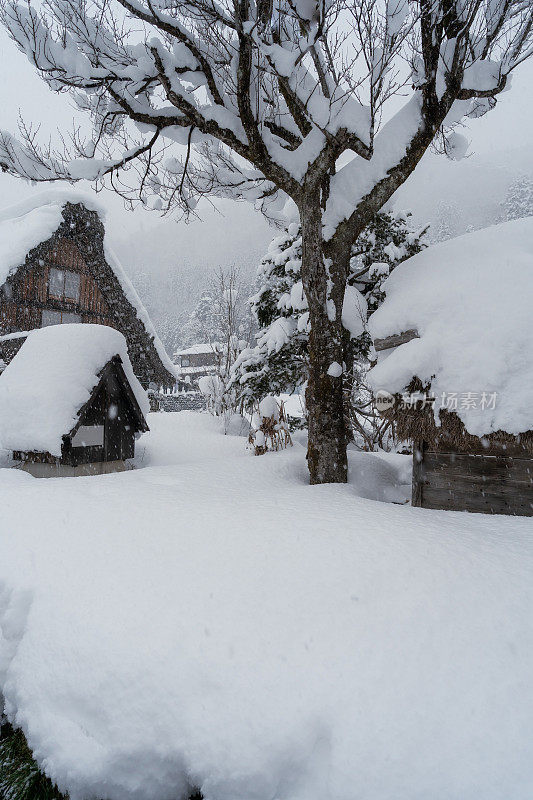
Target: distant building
{"type": "Point", "coordinates": [199, 360]}
{"type": "Point", "coordinates": [70, 403]}
{"type": "Point", "coordinates": [55, 267]}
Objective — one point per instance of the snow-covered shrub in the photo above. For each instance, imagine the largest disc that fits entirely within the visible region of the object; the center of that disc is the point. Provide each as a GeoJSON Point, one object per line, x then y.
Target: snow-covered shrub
{"type": "Point", "coordinates": [269, 430]}
{"type": "Point", "coordinates": [236, 425]}
{"type": "Point", "coordinates": [212, 387]}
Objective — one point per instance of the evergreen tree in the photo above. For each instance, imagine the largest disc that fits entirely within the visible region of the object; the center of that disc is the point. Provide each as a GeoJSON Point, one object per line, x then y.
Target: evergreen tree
{"type": "Point", "coordinates": [20, 776]}
{"type": "Point", "coordinates": [278, 362]}
{"type": "Point", "coordinates": [519, 200]}
{"type": "Point", "coordinates": [448, 224]}
{"type": "Point", "coordinates": [203, 324]}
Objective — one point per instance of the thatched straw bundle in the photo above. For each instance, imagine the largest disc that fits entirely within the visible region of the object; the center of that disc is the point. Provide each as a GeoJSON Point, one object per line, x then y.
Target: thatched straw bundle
{"type": "Point", "coordinates": [416, 423]}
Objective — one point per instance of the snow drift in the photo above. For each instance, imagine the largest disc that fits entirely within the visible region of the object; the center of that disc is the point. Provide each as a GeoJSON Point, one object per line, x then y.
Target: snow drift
{"type": "Point", "coordinates": [217, 622]}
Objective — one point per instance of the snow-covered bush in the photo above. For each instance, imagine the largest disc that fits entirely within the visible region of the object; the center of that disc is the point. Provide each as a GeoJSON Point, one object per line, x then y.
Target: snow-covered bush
{"type": "Point", "coordinates": [269, 430]}
{"type": "Point", "coordinates": [213, 389]}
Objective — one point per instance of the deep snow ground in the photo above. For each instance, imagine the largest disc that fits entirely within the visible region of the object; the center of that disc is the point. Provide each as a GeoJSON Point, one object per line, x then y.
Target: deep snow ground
{"type": "Point", "coordinates": [211, 619]}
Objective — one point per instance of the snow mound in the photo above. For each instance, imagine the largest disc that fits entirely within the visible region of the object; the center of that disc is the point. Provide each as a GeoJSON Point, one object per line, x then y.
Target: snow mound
{"type": "Point", "coordinates": [470, 299]}
{"type": "Point", "coordinates": [51, 378]}
{"type": "Point", "coordinates": [216, 621]}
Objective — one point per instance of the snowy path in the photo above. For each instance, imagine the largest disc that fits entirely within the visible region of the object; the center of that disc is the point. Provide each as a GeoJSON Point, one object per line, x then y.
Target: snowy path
{"type": "Point", "coordinates": [213, 619]}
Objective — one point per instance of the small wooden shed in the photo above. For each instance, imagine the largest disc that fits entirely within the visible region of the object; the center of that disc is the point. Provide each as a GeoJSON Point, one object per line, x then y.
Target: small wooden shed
{"type": "Point", "coordinates": [453, 340]}
{"type": "Point", "coordinates": [84, 413]}
{"type": "Point", "coordinates": [454, 470]}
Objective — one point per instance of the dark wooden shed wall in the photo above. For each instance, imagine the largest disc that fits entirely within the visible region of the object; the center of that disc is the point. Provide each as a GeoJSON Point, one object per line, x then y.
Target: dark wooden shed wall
{"type": "Point", "coordinates": [489, 484]}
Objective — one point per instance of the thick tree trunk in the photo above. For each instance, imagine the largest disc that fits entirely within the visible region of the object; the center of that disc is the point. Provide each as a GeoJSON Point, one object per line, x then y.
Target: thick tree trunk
{"type": "Point", "coordinates": [326, 452]}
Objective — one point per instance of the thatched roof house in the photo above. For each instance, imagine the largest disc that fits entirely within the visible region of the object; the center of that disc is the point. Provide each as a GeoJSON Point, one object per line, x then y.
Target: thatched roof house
{"type": "Point", "coordinates": [56, 267]}
{"type": "Point", "coordinates": [70, 403]}
{"type": "Point", "coordinates": [454, 346]}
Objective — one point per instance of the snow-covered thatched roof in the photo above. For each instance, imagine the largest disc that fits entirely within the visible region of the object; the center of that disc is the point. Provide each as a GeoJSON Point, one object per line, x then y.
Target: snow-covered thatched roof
{"type": "Point", "coordinates": [470, 299]}
{"type": "Point", "coordinates": [52, 377]}
{"type": "Point", "coordinates": [27, 224]}
{"type": "Point", "coordinates": [198, 349]}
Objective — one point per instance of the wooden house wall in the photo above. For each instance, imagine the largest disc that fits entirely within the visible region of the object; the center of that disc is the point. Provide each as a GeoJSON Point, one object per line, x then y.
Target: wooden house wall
{"type": "Point", "coordinates": [490, 484]}
{"type": "Point", "coordinates": [203, 359]}
{"type": "Point", "coordinates": [28, 295]}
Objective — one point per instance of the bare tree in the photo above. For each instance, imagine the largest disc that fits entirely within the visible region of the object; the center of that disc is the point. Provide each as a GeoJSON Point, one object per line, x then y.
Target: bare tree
{"type": "Point", "coordinates": [233, 315]}
{"type": "Point", "coordinates": [262, 98]}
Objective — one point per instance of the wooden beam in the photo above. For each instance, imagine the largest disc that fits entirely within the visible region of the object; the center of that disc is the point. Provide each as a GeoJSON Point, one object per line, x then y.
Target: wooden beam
{"type": "Point", "coordinates": [418, 474]}
{"type": "Point", "coordinates": [396, 339]}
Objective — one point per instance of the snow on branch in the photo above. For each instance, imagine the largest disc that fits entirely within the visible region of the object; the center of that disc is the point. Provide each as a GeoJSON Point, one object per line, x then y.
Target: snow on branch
{"type": "Point", "coordinates": [258, 100]}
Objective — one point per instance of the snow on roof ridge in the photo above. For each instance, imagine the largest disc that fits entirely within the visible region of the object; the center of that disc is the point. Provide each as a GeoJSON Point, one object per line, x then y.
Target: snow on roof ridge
{"type": "Point", "coordinates": [17, 335]}
{"type": "Point", "coordinates": [52, 197]}
{"type": "Point", "coordinates": [202, 347]}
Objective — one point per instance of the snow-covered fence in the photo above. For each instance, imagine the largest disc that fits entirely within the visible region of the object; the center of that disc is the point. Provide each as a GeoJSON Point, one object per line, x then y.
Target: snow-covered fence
{"type": "Point", "coordinates": [186, 401]}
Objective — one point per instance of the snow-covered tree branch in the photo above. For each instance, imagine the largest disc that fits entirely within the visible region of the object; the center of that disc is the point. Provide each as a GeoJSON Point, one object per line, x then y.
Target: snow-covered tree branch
{"type": "Point", "coordinates": [255, 100]}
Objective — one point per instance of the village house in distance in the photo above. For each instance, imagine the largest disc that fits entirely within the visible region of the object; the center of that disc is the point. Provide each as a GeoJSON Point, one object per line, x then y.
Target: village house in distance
{"type": "Point", "coordinates": [452, 348]}
{"type": "Point", "coordinates": [56, 267]}
{"type": "Point", "coordinates": [198, 360]}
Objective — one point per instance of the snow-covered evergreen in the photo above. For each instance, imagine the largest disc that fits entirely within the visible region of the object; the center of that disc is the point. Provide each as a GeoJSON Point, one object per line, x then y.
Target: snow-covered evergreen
{"type": "Point", "coordinates": [519, 200]}
{"type": "Point", "coordinates": [278, 362]}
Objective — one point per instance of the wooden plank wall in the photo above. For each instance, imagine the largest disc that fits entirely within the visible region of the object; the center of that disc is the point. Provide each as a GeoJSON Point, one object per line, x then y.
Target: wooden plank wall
{"type": "Point", "coordinates": [8, 315]}
{"type": "Point", "coordinates": [466, 482]}
{"type": "Point", "coordinates": [66, 254]}
{"type": "Point", "coordinates": [34, 285]}
{"type": "Point", "coordinates": [29, 292]}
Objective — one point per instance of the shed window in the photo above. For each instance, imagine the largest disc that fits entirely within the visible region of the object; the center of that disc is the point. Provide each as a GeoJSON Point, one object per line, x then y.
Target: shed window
{"type": "Point", "coordinates": [185, 361]}
{"type": "Point", "coordinates": [89, 436]}
{"type": "Point", "coordinates": [52, 317]}
{"type": "Point", "coordinates": [64, 284]}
